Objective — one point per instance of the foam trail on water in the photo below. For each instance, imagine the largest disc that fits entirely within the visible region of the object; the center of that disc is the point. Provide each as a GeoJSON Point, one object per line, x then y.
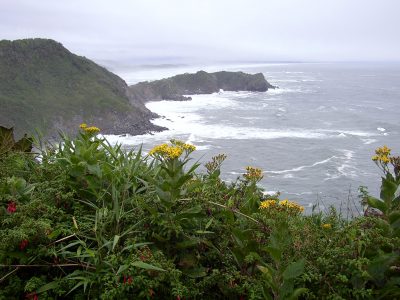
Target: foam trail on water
{"type": "Point", "coordinates": [302, 167]}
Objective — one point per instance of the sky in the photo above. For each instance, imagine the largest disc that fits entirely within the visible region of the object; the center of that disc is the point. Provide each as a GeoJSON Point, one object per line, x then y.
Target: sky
{"type": "Point", "coordinates": [124, 32]}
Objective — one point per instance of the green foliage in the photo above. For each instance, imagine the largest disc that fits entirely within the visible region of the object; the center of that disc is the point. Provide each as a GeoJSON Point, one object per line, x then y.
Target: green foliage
{"type": "Point", "coordinates": [7, 142]}
{"type": "Point", "coordinates": [89, 220]}
{"type": "Point", "coordinates": [44, 86]}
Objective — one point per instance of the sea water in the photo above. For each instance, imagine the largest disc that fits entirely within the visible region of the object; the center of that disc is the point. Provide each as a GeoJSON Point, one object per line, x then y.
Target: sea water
{"type": "Point", "coordinates": [313, 137]}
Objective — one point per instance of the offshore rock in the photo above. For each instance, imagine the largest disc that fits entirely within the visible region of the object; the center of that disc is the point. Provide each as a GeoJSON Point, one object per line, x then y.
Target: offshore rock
{"type": "Point", "coordinates": [177, 87]}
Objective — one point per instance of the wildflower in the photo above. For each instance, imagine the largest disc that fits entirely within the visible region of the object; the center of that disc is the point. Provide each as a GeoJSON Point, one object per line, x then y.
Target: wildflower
{"type": "Point", "coordinates": [32, 296]}
{"type": "Point", "coordinates": [327, 226]}
{"type": "Point", "coordinates": [83, 126]}
{"type": "Point", "coordinates": [215, 163]}
{"type": "Point", "coordinates": [172, 151]}
{"type": "Point", "coordinates": [23, 244]}
{"type": "Point", "coordinates": [92, 129]}
{"type": "Point", "coordinates": [291, 205]}
{"type": "Point", "coordinates": [12, 207]}
{"type": "Point", "coordinates": [382, 155]}
{"type": "Point", "coordinates": [128, 279]}
{"type": "Point", "coordinates": [268, 204]}
{"type": "Point", "coordinates": [253, 174]}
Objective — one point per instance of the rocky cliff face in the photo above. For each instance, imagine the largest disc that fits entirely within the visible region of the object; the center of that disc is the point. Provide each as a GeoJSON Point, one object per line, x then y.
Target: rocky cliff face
{"type": "Point", "coordinates": [174, 88]}
{"type": "Point", "coordinates": [44, 86]}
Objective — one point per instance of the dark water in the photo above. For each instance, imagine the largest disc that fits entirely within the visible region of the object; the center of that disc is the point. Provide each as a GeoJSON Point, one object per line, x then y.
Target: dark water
{"type": "Point", "coordinates": [313, 137]}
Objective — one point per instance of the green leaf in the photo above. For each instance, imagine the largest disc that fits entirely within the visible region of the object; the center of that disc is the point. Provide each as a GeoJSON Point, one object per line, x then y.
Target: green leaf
{"type": "Point", "coordinates": [122, 268]}
{"type": "Point", "coordinates": [189, 213]}
{"type": "Point", "coordinates": [380, 265]}
{"type": "Point", "coordinates": [394, 219]}
{"type": "Point", "coordinates": [388, 190]}
{"type": "Point", "coordinates": [294, 270]}
{"type": "Point", "coordinates": [209, 223]}
{"type": "Point", "coordinates": [203, 232]}
{"type": "Point", "coordinates": [49, 286]}
{"type": "Point", "coordinates": [297, 293]}
{"type": "Point", "coordinates": [269, 275]}
{"type": "Point", "coordinates": [275, 253]}
{"type": "Point", "coordinates": [196, 272]}
{"type": "Point", "coordinates": [377, 204]}
{"type": "Point", "coordinates": [115, 242]}
{"type": "Point", "coordinates": [187, 244]}
{"type": "Point", "coordinates": [146, 266]}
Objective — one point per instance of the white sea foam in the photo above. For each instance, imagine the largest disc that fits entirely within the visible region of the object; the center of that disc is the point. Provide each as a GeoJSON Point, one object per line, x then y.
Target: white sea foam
{"type": "Point", "coordinates": [282, 90]}
{"type": "Point", "coordinates": [269, 193]}
{"type": "Point", "coordinates": [348, 132]}
{"type": "Point", "coordinates": [368, 141]}
{"type": "Point", "coordinates": [297, 169]}
{"type": "Point", "coordinates": [346, 168]}
{"type": "Point", "coordinates": [381, 129]}
{"type": "Point", "coordinates": [288, 175]}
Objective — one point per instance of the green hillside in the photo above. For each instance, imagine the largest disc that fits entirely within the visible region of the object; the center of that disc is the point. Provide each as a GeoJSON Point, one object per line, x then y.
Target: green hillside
{"type": "Point", "coordinates": [43, 85]}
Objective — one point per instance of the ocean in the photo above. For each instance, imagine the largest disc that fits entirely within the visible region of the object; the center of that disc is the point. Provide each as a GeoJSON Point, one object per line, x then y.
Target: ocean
{"type": "Point", "coordinates": [313, 137]}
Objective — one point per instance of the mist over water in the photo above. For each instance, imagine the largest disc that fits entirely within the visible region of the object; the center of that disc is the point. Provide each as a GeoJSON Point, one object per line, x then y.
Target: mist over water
{"type": "Point", "coordinates": [313, 137]}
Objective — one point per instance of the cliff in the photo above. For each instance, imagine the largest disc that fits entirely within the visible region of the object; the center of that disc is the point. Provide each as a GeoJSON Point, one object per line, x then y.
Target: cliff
{"type": "Point", "coordinates": [44, 86]}
{"type": "Point", "coordinates": [174, 88]}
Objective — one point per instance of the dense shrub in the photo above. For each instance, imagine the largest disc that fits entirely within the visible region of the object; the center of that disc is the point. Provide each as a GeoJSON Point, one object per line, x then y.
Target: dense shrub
{"type": "Point", "coordinates": [87, 219]}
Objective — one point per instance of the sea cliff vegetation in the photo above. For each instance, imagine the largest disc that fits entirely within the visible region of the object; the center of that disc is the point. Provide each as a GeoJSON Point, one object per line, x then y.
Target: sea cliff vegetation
{"type": "Point", "coordinates": [88, 220]}
{"type": "Point", "coordinates": [46, 87]}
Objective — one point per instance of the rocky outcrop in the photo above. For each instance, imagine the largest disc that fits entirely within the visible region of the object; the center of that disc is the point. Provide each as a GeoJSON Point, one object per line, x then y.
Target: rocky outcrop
{"type": "Point", "coordinates": [177, 87]}
{"type": "Point", "coordinates": [46, 87]}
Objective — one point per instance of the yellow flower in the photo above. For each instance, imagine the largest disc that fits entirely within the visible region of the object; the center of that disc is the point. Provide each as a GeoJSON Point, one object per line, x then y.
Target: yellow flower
{"type": "Point", "coordinates": [189, 147]}
{"type": "Point", "coordinates": [293, 206]}
{"type": "Point", "coordinates": [91, 129]}
{"type": "Point", "coordinates": [183, 145]}
{"type": "Point", "coordinates": [383, 151]}
{"type": "Point", "coordinates": [284, 205]}
{"type": "Point", "coordinates": [253, 173]}
{"type": "Point", "coordinates": [268, 204]}
{"type": "Point", "coordinates": [171, 151]}
{"type": "Point", "coordinates": [166, 151]}
{"type": "Point", "coordinates": [83, 126]}
{"type": "Point", "coordinates": [382, 155]}
{"type": "Point", "coordinates": [327, 226]}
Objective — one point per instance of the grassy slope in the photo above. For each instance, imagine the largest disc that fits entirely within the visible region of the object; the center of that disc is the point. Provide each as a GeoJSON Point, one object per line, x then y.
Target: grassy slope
{"type": "Point", "coordinates": [44, 85]}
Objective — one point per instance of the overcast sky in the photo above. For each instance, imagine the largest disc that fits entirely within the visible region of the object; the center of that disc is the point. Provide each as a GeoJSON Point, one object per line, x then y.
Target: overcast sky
{"type": "Point", "coordinates": [173, 31]}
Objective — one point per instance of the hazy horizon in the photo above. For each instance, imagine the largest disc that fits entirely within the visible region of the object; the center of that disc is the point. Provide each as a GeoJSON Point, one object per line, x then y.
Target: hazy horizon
{"type": "Point", "coordinates": [155, 32]}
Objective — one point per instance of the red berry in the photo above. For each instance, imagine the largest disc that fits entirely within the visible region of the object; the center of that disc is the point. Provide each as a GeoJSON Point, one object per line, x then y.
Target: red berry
{"type": "Point", "coordinates": [12, 207]}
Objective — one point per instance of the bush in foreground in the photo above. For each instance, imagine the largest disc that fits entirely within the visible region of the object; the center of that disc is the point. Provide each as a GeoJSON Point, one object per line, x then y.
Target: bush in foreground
{"type": "Point", "coordinates": [89, 220]}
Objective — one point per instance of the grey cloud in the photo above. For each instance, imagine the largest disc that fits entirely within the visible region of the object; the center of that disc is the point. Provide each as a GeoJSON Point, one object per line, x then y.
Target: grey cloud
{"type": "Point", "coordinates": [211, 30]}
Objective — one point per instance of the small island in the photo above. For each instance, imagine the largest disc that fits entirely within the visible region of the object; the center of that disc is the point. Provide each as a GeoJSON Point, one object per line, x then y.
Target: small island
{"type": "Point", "coordinates": [179, 86]}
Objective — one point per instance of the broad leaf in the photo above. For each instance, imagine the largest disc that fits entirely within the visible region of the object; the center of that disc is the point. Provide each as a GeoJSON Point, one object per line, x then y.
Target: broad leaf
{"type": "Point", "coordinates": [377, 204]}
{"type": "Point", "coordinates": [145, 266]}
{"type": "Point", "coordinates": [294, 270]}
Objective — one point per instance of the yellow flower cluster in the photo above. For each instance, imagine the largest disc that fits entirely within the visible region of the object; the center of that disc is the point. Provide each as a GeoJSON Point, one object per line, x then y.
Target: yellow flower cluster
{"type": "Point", "coordinates": [171, 151]}
{"type": "Point", "coordinates": [268, 204]}
{"type": "Point", "coordinates": [184, 146]}
{"type": "Point", "coordinates": [291, 205]}
{"type": "Point", "coordinates": [166, 151]}
{"type": "Point", "coordinates": [91, 129]}
{"type": "Point", "coordinates": [253, 173]}
{"type": "Point", "coordinates": [327, 226]}
{"type": "Point", "coordinates": [382, 155]}
{"type": "Point", "coordinates": [281, 205]}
